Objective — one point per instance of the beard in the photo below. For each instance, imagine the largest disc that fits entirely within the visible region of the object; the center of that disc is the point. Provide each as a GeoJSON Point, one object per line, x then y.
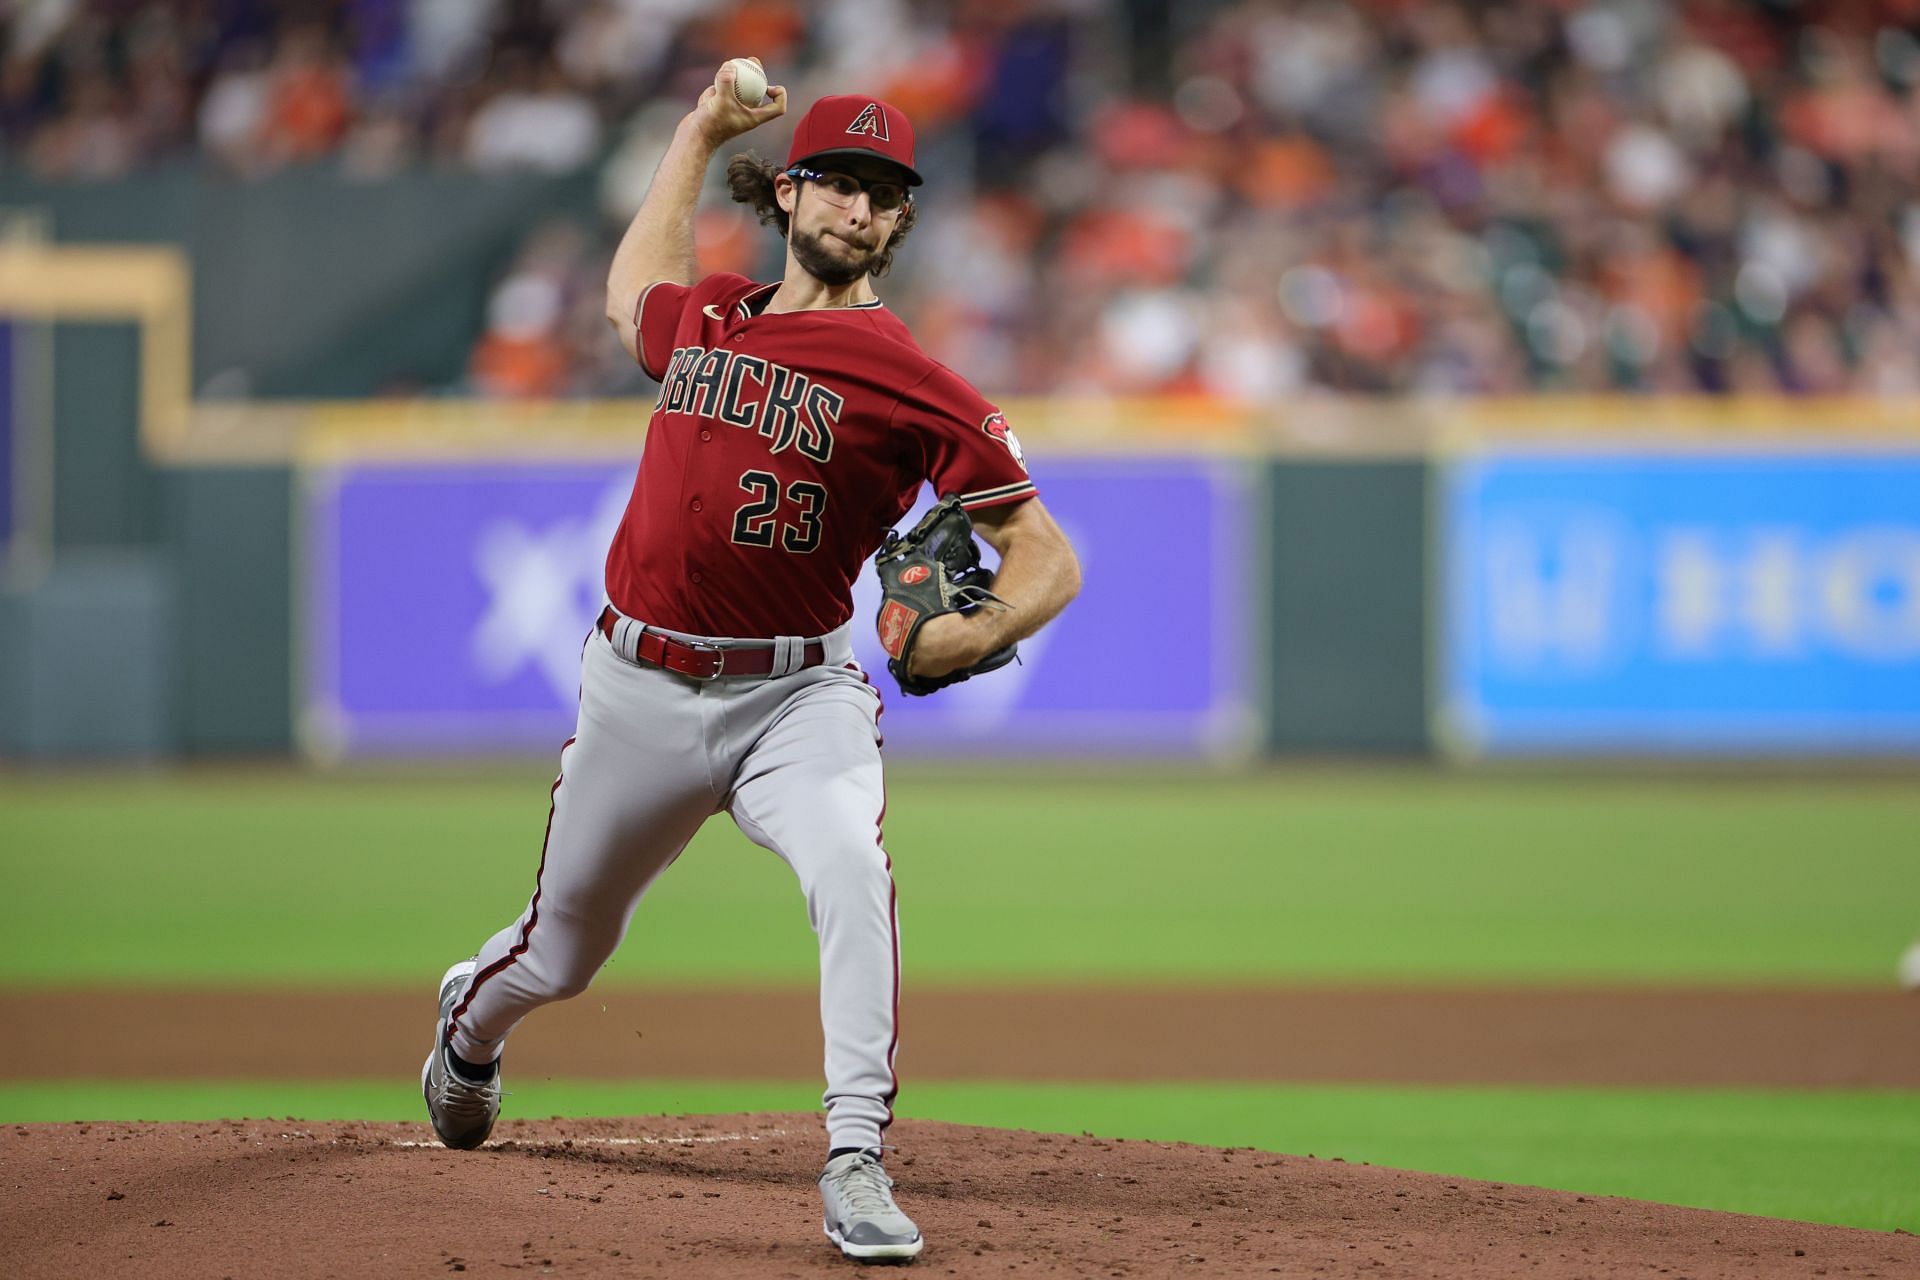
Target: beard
{"type": "Point", "coordinates": [839, 264]}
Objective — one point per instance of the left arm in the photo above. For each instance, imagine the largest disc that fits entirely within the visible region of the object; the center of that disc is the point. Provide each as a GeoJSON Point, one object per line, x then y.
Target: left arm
{"type": "Point", "coordinates": [1039, 575]}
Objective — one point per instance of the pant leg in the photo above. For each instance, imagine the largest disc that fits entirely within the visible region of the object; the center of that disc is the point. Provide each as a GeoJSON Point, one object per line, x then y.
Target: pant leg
{"type": "Point", "coordinates": [634, 786]}
{"type": "Point", "coordinates": [811, 790]}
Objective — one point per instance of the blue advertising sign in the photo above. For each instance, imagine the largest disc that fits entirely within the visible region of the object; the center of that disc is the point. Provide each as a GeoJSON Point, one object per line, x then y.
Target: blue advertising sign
{"type": "Point", "coordinates": [1619, 602]}
{"type": "Point", "coordinates": [446, 607]}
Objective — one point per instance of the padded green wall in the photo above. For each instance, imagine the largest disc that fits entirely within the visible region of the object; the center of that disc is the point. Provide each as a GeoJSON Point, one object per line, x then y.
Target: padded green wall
{"type": "Point", "coordinates": [1347, 619]}
{"type": "Point", "coordinates": [104, 494]}
{"type": "Point", "coordinates": [168, 593]}
{"type": "Point", "coordinates": [229, 533]}
{"type": "Point", "coordinates": [304, 285]}
{"type": "Point", "coordinates": [308, 285]}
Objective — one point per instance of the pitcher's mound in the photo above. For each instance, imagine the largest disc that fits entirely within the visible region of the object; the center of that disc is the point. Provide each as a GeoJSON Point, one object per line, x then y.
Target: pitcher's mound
{"type": "Point", "coordinates": [734, 1196]}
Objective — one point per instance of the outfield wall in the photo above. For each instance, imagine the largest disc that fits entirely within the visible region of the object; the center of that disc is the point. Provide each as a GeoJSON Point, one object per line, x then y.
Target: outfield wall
{"type": "Point", "coordinates": [1537, 578]}
{"type": "Point", "coordinates": [1743, 582]}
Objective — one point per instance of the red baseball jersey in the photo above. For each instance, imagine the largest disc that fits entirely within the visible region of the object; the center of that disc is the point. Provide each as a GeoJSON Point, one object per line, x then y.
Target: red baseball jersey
{"type": "Point", "coordinates": [782, 449]}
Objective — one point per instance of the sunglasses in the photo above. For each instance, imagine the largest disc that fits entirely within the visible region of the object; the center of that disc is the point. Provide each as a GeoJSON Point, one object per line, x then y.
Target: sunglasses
{"type": "Point", "coordinates": [841, 188]}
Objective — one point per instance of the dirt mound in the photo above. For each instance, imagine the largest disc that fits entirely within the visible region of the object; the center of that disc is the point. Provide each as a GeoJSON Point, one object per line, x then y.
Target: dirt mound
{"type": "Point", "coordinates": [733, 1196]}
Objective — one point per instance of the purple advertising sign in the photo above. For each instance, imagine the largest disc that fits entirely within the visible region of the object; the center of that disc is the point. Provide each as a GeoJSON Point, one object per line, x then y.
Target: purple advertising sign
{"type": "Point", "coordinates": [446, 608]}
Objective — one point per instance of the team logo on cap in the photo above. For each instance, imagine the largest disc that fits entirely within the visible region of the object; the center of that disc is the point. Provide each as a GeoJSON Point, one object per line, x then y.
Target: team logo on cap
{"type": "Point", "coordinates": [871, 121]}
{"type": "Point", "coordinates": [996, 426]}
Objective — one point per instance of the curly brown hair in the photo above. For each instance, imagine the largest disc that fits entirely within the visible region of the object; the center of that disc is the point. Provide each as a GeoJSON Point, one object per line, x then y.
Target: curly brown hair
{"type": "Point", "coordinates": [750, 182]}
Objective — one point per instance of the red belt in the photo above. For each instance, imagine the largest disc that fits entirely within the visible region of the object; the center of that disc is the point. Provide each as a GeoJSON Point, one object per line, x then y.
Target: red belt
{"type": "Point", "coordinates": [705, 661]}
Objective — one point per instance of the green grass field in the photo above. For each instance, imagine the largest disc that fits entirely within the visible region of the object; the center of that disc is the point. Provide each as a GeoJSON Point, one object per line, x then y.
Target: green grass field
{"type": "Point", "coordinates": [1276, 877]}
{"type": "Point", "coordinates": [1413, 876]}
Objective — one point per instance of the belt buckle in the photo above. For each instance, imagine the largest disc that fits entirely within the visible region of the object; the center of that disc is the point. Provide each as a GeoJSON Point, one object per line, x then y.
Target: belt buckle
{"type": "Point", "coordinates": [714, 651]}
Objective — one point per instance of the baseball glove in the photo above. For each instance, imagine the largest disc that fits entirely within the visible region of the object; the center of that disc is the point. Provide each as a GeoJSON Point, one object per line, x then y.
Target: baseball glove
{"type": "Point", "coordinates": [934, 568]}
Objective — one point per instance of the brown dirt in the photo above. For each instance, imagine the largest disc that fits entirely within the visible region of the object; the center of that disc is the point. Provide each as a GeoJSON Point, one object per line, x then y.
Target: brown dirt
{"type": "Point", "coordinates": [732, 1196]}
{"type": "Point", "coordinates": [1648, 1037]}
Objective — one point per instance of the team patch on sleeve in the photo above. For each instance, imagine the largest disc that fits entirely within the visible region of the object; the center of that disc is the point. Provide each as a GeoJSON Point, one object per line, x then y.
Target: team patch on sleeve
{"type": "Point", "coordinates": [996, 426]}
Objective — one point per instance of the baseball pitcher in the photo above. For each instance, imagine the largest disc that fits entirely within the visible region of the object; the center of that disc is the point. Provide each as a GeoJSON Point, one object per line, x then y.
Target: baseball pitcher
{"type": "Point", "coordinates": [796, 423]}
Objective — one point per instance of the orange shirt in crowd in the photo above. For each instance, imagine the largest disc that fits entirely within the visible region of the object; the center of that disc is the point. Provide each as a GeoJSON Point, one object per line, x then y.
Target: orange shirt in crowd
{"type": "Point", "coordinates": [519, 368]}
{"type": "Point", "coordinates": [308, 112]}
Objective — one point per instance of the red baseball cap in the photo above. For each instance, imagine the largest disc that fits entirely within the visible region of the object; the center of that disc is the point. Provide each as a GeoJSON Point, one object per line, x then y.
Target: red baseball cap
{"type": "Point", "coordinates": [849, 124]}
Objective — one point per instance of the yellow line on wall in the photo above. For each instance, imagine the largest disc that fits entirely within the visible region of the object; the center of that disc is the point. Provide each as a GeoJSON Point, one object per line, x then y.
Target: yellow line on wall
{"type": "Point", "coordinates": [151, 287]}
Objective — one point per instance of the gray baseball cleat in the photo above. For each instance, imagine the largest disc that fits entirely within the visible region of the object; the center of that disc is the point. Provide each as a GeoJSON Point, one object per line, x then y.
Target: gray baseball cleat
{"type": "Point", "coordinates": [462, 1112]}
{"type": "Point", "coordinates": [861, 1215]}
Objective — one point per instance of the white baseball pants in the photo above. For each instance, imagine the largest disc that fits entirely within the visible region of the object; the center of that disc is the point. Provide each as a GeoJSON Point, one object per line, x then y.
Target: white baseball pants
{"type": "Point", "coordinates": [796, 761]}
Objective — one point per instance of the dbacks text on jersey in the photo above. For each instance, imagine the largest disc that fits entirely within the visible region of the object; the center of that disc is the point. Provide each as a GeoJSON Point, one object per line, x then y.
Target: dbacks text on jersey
{"type": "Point", "coordinates": [788, 408]}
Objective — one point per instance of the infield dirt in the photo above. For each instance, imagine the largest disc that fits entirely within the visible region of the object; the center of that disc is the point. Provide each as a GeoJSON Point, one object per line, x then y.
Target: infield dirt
{"type": "Point", "coordinates": [733, 1196]}
{"type": "Point", "coordinates": [1374, 1035]}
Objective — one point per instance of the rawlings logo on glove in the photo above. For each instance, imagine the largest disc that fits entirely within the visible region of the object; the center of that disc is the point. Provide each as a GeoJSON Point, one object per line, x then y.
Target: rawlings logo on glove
{"type": "Point", "coordinates": [934, 568]}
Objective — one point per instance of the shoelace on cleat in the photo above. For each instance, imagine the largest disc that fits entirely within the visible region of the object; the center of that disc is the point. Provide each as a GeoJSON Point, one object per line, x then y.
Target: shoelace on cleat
{"type": "Point", "coordinates": [463, 1098]}
{"type": "Point", "coordinates": [866, 1188]}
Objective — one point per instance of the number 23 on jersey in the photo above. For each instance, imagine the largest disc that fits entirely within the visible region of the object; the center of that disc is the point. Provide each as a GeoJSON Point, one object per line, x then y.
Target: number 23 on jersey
{"type": "Point", "coordinates": [792, 516]}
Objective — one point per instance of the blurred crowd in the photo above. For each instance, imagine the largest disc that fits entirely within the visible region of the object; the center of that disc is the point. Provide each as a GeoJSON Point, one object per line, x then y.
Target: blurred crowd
{"type": "Point", "coordinates": [1249, 200]}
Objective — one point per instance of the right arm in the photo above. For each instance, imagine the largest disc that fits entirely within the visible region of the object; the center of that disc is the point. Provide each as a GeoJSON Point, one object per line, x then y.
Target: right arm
{"type": "Point", "coordinates": [659, 242]}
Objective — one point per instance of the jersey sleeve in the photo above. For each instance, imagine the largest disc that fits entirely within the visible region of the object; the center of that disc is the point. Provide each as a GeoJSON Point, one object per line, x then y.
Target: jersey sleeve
{"type": "Point", "coordinates": [663, 305]}
{"type": "Point", "coordinates": [657, 318]}
{"type": "Point", "coordinates": [965, 441]}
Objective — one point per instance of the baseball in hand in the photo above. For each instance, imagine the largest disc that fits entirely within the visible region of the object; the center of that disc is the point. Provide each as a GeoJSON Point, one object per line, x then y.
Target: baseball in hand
{"type": "Point", "coordinates": [1910, 969]}
{"type": "Point", "coordinates": [749, 82]}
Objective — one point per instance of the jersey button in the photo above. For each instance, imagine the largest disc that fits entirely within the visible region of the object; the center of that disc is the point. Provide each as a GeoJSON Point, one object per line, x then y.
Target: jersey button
{"type": "Point", "coordinates": [694, 505]}
{"type": "Point", "coordinates": [694, 577]}
{"type": "Point", "coordinates": [706, 435]}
